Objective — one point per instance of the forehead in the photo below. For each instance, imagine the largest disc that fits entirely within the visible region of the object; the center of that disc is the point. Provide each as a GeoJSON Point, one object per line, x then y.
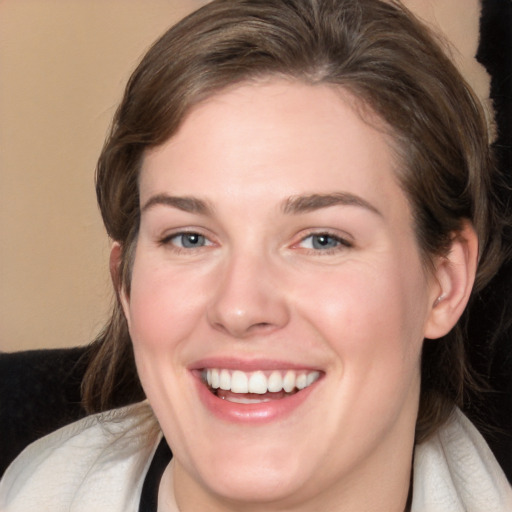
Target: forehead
{"type": "Point", "coordinates": [278, 138]}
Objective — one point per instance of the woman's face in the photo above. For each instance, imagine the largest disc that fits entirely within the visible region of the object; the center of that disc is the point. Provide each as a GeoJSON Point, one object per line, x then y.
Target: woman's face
{"type": "Point", "coordinates": [277, 259]}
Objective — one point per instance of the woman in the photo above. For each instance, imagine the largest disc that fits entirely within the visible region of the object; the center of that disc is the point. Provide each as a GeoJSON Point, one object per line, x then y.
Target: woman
{"type": "Point", "coordinates": [299, 194]}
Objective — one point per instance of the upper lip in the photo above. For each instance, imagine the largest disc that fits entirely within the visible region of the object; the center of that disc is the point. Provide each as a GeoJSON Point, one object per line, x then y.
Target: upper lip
{"type": "Point", "coordinates": [249, 365]}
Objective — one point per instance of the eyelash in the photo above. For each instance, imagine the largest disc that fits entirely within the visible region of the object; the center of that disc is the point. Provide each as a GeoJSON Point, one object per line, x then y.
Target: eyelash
{"type": "Point", "coordinates": [168, 240]}
{"type": "Point", "coordinates": [340, 242]}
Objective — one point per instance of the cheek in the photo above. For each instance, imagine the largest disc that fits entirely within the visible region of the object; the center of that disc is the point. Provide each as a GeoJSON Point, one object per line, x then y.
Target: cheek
{"type": "Point", "coordinates": [164, 310]}
{"type": "Point", "coordinates": [162, 304]}
{"type": "Point", "coordinates": [369, 313]}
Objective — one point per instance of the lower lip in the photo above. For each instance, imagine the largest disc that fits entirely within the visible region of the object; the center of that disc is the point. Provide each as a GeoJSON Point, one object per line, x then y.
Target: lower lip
{"type": "Point", "coordinates": [263, 412]}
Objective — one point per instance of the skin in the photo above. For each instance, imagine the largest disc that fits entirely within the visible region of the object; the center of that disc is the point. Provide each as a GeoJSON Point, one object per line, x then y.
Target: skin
{"type": "Point", "coordinates": [259, 288]}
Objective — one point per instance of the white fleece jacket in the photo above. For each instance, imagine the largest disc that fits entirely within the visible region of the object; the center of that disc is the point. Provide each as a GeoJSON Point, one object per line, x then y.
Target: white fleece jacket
{"type": "Point", "coordinates": [99, 464]}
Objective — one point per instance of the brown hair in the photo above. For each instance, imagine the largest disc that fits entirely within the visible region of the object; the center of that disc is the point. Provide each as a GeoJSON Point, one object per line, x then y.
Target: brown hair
{"type": "Point", "coordinates": [379, 53]}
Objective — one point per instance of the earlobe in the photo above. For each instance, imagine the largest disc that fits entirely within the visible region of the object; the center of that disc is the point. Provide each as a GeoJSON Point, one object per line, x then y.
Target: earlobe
{"type": "Point", "coordinates": [454, 276]}
{"type": "Point", "coordinates": [116, 253]}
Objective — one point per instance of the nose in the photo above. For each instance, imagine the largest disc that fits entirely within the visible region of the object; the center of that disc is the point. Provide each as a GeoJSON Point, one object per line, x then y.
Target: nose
{"type": "Point", "coordinates": [249, 299]}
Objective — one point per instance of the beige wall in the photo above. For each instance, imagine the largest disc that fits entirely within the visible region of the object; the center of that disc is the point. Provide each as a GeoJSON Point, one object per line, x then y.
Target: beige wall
{"type": "Point", "coordinates": [63, 65]}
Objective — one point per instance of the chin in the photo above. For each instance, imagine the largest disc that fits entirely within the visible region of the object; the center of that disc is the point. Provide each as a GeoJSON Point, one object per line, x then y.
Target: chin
{"type": "Point", "coordinates": [253, 484]}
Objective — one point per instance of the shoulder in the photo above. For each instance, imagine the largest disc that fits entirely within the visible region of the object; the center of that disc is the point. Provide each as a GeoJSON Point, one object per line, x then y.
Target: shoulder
{"type": "Point", "coordinates": [456, 470]}
{"type": "Point", "coordinates": [97, 463]}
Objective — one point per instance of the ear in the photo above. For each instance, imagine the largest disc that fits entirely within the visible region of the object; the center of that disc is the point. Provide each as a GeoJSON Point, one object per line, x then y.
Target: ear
{"type": "Point", "coordinates": [116, 253]}
{"type": "Point", "coordinates": [114, 264]}
{"type": "Point", "coordinates": [453, 282]}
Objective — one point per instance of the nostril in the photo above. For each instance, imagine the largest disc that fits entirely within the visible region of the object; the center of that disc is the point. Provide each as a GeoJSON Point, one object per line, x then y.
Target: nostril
{"type": "Point", "coordinates": [261, 326]}
{"type": "Point", "coordinates": [244, 331]}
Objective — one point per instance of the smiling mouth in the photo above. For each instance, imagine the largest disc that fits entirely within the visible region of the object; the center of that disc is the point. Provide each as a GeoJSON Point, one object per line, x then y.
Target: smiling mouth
{"type": "Point", "coordinates": [256, 387]}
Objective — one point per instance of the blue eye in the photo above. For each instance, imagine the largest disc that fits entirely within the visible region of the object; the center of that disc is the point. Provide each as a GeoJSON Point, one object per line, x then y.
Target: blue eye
{"type": "Point", "coordinates": [189, 240]}
{"type": "Point", "coordinates": [323, 242]}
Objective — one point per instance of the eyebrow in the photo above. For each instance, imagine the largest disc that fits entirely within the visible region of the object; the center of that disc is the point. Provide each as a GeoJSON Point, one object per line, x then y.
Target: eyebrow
{"type": "Point", "coordinates": [308, 203]}
{"type": "Point", "coordinates": [186, 204]}
{"type": "Point", "coordinates": [293, 205]}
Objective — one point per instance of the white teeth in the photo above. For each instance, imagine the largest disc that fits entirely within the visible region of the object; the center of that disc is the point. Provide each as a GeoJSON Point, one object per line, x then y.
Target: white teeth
{"type": "Point", "coordinates": [275, 382]}
{"type": "Point", "coordinates": [244, 400]}
{"type": "Point", "coordinates": [312, 377]}
{"type": "Point", "coordinates": [258, 382]}
{"type": "Point", "coordinates": [289, 381]}
{"type": "Point", "coordinates": [239, 382]}
{"type": "Point", "coordinates": [225, 380]}
{"type": "Point", "coordinates": [301, 382]}
{"type": "Point", "coordinates": [215, 378]}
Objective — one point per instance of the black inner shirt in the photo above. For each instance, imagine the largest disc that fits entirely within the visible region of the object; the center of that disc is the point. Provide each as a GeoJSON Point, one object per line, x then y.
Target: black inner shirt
{"type": "Point", "coordinates": [149, 496]}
